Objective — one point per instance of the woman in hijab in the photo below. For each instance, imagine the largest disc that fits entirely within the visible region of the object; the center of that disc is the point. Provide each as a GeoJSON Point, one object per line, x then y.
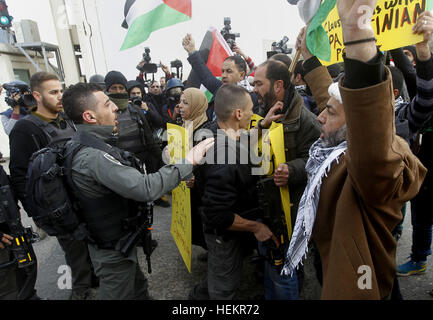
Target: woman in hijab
{"type": "Point", "coordinates": [193, 106]}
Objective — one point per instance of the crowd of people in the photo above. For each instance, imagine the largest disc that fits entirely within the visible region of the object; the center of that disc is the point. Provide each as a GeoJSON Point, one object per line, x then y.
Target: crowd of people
{"type": "Point", "coordinates": [357, 138]}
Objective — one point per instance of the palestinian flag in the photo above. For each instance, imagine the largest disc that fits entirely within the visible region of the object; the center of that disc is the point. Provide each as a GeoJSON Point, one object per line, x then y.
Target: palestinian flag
{"type": "Point", "coordinates": [142, 17]}
{"type": "Point", "coordinates": [214, 50]}
{"type": "Point", "coordinates": [315, 13]}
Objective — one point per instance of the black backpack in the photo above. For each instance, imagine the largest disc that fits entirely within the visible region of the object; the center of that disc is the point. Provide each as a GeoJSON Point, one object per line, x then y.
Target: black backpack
{"type": "Point", "coordinates": [49, 192]}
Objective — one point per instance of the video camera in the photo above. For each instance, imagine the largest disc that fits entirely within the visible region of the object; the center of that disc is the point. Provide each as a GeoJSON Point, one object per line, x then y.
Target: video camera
{"type": "Point", "coordinates": [148, 67]}
{"type": "Point", "coordinates": [280, 47]}
{"type": "Point", "coordinates": [227, 34]}
{"type": "Point", "coordinates": [178, 65]}
{"type": "Point", "coordinates": [26, 99]}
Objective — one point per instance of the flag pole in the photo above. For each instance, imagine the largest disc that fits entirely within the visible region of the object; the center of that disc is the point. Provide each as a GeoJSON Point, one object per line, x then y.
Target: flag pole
{"type": "Point", "coordinates": [295, 61]}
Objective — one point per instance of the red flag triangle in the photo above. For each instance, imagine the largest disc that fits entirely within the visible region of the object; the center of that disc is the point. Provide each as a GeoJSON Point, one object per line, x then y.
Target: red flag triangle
{"type": "Point", "coordinates": [183, 6]}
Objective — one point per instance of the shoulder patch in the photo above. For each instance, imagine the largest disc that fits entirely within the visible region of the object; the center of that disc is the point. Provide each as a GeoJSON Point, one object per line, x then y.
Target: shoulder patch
{"type": "Point", "coordinates": [112, 159]}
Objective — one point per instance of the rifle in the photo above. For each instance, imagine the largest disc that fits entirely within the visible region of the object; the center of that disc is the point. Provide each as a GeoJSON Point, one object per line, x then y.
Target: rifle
{"type": "Point", "coordinates": [141, 232]}
{"type": "Point", "coordinates": [23, 237]}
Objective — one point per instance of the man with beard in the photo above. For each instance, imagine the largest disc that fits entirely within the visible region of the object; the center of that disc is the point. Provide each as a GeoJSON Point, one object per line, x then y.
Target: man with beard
{"type": "Point", "coordinates": [360, 173]}
{"type": "Point", "coordinates": [47, 125]}
{"type": "Point", "coordinates": [272, 85]}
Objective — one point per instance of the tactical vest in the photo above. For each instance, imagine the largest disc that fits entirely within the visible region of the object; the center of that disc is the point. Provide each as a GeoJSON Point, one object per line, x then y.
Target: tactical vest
{"type": "Point", "coordinates": [54, 134]}
{"type": "Point", "coordinates": [103, 216]}
{"type": "Point", "coordinates": [130, 131]}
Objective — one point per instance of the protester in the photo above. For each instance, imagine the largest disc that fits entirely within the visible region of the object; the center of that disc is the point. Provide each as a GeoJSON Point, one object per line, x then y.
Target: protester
{"type": "Point", "coordinates": [234, 71]}
{"type": "Point", "coordinates": [193, 106]}
{"type": "Point", "coordinates": [272, 85]}
{"type": "Point", "coordinates": [337, 184]}
{"type": "Point", "coordinates": [229, 193]}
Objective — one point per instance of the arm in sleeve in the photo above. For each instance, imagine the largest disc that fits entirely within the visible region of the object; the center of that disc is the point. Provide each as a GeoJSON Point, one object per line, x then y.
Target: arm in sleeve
{"type": "Point", "coordinates": [129, 182]}
{"type": "Point", "coordinates": [154, 117]}
{"type": "Point", "coordinates": [206, 77]}
{"type": "Point", "coordinates": [319, 80]}
{"type": "Point", "coordinates": [409, 73]}
{"type": "Point", "coordinates": [420, 110]}
{"type": "Point", "coordinates": [9, 123]}
{"type": "Point", "coordinates": [380, 164]}
{"type": "Point", "coordinates": [23, 142]}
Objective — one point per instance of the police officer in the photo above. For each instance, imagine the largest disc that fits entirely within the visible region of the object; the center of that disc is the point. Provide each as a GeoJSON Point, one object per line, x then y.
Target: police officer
{"type": "Point", "coordinates": [8, 278]}
{"type": "Point", "coordinates": [48, 125]}
{"type": "Point", "coordinates": [107, 186]}
{"type": "Point", "coordinates": [134, 132]}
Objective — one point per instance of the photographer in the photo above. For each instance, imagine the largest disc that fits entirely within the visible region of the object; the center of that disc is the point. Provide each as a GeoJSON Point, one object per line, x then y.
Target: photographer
{"type": "Point", "coordinates": [173, 93]}
{"type": "Point", "coordinates": [137, 97]}
{"type": "Point", "coordinates": [157, 99]}
{"type": "Point", "coordinates": [18, 98]}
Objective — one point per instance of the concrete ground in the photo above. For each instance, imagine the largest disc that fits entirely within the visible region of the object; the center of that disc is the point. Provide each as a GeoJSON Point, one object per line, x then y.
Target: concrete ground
{"type": "Point", "coordinates": [170, 279]}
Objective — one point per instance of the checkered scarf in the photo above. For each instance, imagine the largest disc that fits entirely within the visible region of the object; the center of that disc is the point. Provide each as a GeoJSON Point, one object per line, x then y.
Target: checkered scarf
{"type": "Point", "coordinates": [318, 167]}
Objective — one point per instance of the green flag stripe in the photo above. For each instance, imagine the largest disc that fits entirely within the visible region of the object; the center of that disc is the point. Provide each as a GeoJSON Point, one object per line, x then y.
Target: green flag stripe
{"type": "Point", "coordinates": [317, 38]}
{"type": "Point", "coordinates": [160, 17]}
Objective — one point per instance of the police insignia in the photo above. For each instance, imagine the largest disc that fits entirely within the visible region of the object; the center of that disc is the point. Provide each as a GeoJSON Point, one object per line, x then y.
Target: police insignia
{"type": "Point", "coordinates": [112, 159]}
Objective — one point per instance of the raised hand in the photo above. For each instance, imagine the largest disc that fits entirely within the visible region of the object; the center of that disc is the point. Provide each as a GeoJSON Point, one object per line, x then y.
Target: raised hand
{"type": "Point", "coordinates": [424, 25]}
{"type": "Point", "coordinates": [188, 44]}
{"type": "Point", "coordinates": [355, 18]}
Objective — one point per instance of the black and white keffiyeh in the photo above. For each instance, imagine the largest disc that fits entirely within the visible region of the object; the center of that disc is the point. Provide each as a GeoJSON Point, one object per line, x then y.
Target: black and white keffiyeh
{"type": "Point", "coordinates": [318, 166]}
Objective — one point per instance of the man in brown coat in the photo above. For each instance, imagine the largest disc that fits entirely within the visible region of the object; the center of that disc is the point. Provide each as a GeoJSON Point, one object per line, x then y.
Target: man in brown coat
{"type": "Point", "coordinates": [359, 174]}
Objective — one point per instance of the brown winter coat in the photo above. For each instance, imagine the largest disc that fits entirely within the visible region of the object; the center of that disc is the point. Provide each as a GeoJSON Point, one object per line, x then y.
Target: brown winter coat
{"type": "Point", "coordinates": [361, 199]}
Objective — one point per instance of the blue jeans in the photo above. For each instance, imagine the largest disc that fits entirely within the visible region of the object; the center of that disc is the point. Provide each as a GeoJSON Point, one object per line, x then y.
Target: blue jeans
{"type": "Point", "coordinates": [277, 286]}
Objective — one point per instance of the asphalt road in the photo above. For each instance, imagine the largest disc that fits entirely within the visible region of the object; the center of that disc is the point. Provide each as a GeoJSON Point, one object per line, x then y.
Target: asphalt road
{"type": "Point", "coordinates": [170, 279]}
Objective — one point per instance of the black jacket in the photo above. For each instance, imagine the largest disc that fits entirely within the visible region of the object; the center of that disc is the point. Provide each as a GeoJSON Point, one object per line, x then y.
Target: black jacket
{"type": "Point", "coordinates": [228, 189]}
{"type": "Point", "coordinates": [25, 139]}
{"type": "Point", "coordinates": [208, 79]}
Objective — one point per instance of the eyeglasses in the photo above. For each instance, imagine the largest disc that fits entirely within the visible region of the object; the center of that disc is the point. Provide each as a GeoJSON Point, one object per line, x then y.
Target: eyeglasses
{"type": "Point", "coordinates": [155, 87]}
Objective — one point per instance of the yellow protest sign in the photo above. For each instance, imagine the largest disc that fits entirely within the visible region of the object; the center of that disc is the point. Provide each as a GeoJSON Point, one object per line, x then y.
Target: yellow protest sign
{"type": "Point", "coordinates": [178, 146]}
{"type": "Point", "coordinates": [277, 144]}
{"type": "Point", "coordinates": [392, 22]}
{"type": "Point", "coordinates": [262, 147]}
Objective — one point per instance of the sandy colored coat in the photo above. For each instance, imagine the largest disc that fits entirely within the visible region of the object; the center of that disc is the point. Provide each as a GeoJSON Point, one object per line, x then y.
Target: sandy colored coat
{"type": "Point", "coordinates": [361, 199]}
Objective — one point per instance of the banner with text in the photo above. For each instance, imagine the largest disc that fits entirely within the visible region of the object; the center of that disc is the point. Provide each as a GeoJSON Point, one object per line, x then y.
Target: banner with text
{"type": "Point", "coordinates": [392, 22]}
{"type": "Point", "coordinates": [178, 146]}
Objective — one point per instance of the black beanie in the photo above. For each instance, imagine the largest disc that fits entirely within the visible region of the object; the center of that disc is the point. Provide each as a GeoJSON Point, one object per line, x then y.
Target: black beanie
{"type": "Point", "coordinates": [412, 49]}
{"type": "Point", "coordinates": [115, 77]}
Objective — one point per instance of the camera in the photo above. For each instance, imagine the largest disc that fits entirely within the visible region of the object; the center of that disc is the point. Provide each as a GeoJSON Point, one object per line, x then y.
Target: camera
{"type": "Point", "coordinates": [229, 37]}
{"type": "Point", "coordinates": [148, 67]}
{"type": "Point", "coordinates": [176, 64]}
{"type": "Point", "coordinates": [137, 101]}
{"type": "Point", "coordinates": [280, 47]}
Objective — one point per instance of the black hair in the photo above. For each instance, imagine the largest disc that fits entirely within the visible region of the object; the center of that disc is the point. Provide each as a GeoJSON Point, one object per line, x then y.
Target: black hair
{"type": "Point", "coordinates": [277, 70]}
{"type": "Point", "coordinates": [229, 98]}
{"type": "Point", "coordinates": [240, 63]}
{"type": "Point", "coordinates": [284, 58]}
{"type": "Point", "coordinates": [397, 79]}
{"type": "Point", "coordinates": [79, 98]}
{"type": "Point", "coordinates": [299, 69]}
